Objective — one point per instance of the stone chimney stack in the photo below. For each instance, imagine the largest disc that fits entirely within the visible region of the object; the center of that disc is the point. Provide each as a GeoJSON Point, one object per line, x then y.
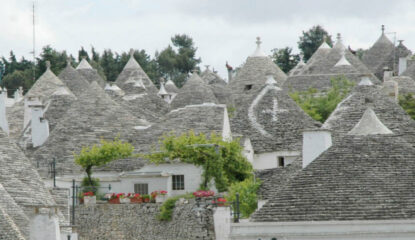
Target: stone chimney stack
{"type": "Point", "coordinates": [391, 89]}
{"type": "Point", "coordinates": [4, 125]}
{"type": "Point", "coordinates": [39, 125]}
{"type": "Point", "coordinates": [315, 142]}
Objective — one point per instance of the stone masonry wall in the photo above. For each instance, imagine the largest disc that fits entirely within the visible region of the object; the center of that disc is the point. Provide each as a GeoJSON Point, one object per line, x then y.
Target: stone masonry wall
{"type": "Point", "coordinates": [139, 221]}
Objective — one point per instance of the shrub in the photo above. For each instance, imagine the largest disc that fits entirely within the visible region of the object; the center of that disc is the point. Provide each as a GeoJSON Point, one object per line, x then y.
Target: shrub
{"type": "Point", "coordinates": [166, 210]}
{"type": "Point", "coordinates": [247, 190]}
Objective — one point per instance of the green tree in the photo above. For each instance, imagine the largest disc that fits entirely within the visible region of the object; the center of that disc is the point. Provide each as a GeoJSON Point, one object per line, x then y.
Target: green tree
{"type": "Point", "coordinates": [57, 59]}
{"type": "Point", "coordinates": [248, 199]}
{"type": "Point", "coordinates": [82, 53]}
{"type": "Point", "coordinates": [179, 62]}
{"type": "Point", "coordinates": [18, 79]}
{"type": "Point", "coordinates": [319, 105]}
{"type": "Point", "coordinates": [99, 155]}
{"type": "Point", "coordinates": [312, 39]}
{"type": "Point", "coordinates": [284, 58]}
{"type": "Point", "coordinates": [221, 161]}
{"type": "Point", "coordinates": [407, 102]}
{"type": "Point", "coordinates": [109, 62]}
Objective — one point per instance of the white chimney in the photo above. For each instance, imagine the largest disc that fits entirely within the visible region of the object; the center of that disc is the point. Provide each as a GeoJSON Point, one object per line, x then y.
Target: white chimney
{"type": "Point", "coordinates": [315, 142]}
{"type": "Point", "coordinates": [402, 65]}
{"type": "Point", "coordinates": [27, 111]}
{"type": "Point", "coordinates": [391, 89]}
{"type": "Point", "coordinates": [3, 117]}
{"type": "Point", "coordinates": [387, 74]}
{"type": "Point", "coordinates": [39, 125]}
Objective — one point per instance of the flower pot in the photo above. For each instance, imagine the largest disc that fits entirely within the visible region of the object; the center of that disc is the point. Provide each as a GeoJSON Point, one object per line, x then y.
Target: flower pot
{"type": "Point", "coordinates": [161, 198]}
{"type": "Point", "coordinates": [136, 200]}
{"type": "Point", "coordinates": [124, 200]}
{"type": "Point", "coordinates": [114, 201]}
{"type": "Point", "coordinates": [90, 200]}
{"type": "Point", "coordinates": [146, 200]}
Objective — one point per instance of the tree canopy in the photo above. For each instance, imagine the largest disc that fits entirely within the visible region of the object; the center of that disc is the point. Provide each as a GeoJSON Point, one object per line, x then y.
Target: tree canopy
{"type": "Point", "coordinates": [312, 39]}
{"type": "Point", "coordinates": [319, 105]}
{"type": "Point", "coordinates": [98, 155]}
{"type": "Point", "coordinates": [284, 58]}
{"type": "Point", "coordinates": [221, 161]}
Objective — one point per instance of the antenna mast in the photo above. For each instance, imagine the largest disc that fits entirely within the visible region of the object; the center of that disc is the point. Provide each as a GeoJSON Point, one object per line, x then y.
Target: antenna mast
{"type": "Point", "coordinates": [34, 46]}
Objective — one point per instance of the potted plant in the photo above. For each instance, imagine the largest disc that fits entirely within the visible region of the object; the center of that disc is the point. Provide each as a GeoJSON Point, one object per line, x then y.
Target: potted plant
{"type": "Point", "coordinates": [123, 198]}
{"type": "Point", "coordinates": [220, 202]}
{"type": "Point", "coordinates": [114, 199]}
{"type": "Point", "coordinates": [161, 196]}
{"type": "Point", "coordinates": [203, 193]}
{"type": "Point", "coordinates": [89, 198]}
{"type": "Point", "coordinates": [135, 198]}
{"type": "Point", "coordinates": [153, 196]}
{"type": "Point", "coordinates": [146, 198]}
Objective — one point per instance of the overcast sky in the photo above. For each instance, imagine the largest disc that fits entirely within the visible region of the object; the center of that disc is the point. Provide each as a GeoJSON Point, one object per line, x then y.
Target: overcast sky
{"type": "Point", "coordinates": [222, 30]}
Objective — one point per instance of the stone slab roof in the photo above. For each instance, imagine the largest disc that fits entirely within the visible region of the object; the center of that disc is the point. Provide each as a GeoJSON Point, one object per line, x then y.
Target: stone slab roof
{"type": "Point", "coordinates": [254, 73]}
{"type": "Point", "coordinates": [15, 118]}
{"type": "Point", "coordinates": [379, 55]}
{"type": "Point", "coordinates": [45, 86]}
{"type": "Point", "coordinates": [203, 118]}
{"type": "Point", "coordinates": [359, 178]}
{"type": "Point", "coordinates": [218, 86]}
{"type": "Point", "coordinates": [322, 82]}
{"type": "Point", "coordinates": [171, 87]}
{"type": "Point", "coordinates": [274, 179]}
{"type": "Point", "coordinates": [349, 112]}
{"type": "Point", "coordinates": [73, 80]}
{"type": "Point", "coordinates": [19, 178]}
{"type": "Point", "coordinates": [272, 120]}
{"type": "Point", "coordinates": [92, 117]}
{"type": "Point", "coordinates": [13, 221]}
{"type": "Point", "coordinates": [194, 91]}
{"type": "Point", "coordinates": [89, 73]}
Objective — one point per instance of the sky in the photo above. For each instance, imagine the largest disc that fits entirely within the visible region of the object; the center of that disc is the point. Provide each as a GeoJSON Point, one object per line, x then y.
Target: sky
{"type": "Point", "coordinates": [222, 30]}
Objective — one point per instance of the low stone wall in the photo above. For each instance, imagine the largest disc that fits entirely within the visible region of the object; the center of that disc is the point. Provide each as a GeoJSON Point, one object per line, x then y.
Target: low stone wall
{"type": "Point", "coordinates": [139, 221]}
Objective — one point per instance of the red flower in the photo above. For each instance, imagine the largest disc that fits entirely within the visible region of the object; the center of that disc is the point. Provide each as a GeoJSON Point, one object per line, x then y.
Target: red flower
{"type": "Point", "coordinates": [162, 192]}
{"type": "Point", "coordinates": [88, 194]}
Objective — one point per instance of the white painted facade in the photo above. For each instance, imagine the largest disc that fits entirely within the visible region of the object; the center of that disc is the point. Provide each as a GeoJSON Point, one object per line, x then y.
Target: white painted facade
{"type": "Point", "coordinates": [222, 222]}
{"type": "Point", "coordinates": [4, 125]}
{"type": "Point", "coordinates": [267, 160]}
{"type": "Point", "coordinates": [271, 159]}
{"type": "Point", "coordinates": [158, 177]}
{"type": "Point", "coordinates": [44, 225]}
{"type": "Point", "coordinates": [325, 230]}
{"type": "Point", "coordinates": [315, 142]}
{"type": "Point", "coordinates": [402, 65]}
{"type": "Point", "coordinates": [39, 126]}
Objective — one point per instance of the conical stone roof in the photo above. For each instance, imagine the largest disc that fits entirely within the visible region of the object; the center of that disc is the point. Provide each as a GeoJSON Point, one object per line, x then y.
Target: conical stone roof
{"type": "Point", "coordinates": [89, 73]}
{"type": "Point", "coordinates": [171, 87]}
{"type": "Point", "coordinates": [92, 117]}
{"type": "Point", "coordinates": [321, 72]}
{"type": "Point", "coordinates": [349, 112]}
{"type": "Point", "coordinates": [73, 79]}
{"type": "Point", "coordinates": [218, 86]}
{"type": "Point", "coordinates": [46, 85]}
{"type": "Point", "coordinates": [358, 178]}
{"type": "Point", "coordinates": [194, 91]}
{"type": "Point", "coordinates": [271, 120]}
{"type": "Point", "coordinates": [253, 74]}
{"type": "Point", "coordinates": [19, 178]}
{"type": "Point", "coordinates": [317, 58]}
{"type": "Point", "coordinates": [133, 76]}
{"type": "Point", "coordinates": [380, 55]}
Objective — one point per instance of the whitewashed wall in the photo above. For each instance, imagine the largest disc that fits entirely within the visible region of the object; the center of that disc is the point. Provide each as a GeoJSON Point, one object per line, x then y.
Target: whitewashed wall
{"type": "Point", "coordinates": [270, 160]}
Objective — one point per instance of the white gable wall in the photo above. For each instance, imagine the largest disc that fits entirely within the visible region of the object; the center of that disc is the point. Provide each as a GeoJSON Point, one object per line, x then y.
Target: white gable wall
{"type": "Point", "coordinates": [270, 160]}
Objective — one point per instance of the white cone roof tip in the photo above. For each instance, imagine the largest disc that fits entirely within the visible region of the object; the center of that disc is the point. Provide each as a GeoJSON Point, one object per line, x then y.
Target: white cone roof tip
{"type": "Point", "coordinates": [132, 63]}
{"type": "Point", "coordinates": [84, 64]}
{"type": "Point", "coordinates": [258, 52]}
{"type": "Point", "coordinates": [270, 80]}
{"type": "Point", "coordinates": [369, 124]}
{"type": "Point", "coordinates": [324, 45]}
{"type": "Point", "coordinates": [162, 90]}
{"type": "Point", "coordinates": [339, 43]}
{"type": "Point", "coordinates": [112, 87]}
{"type": "Point", "coordinates": [343, 61]}
{"type": "Point", "coordinates": [365, 82]}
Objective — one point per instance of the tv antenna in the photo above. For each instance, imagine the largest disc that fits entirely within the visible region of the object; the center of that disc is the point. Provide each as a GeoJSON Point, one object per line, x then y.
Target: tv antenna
{"type": "Point", "coordinates": [34, 44]}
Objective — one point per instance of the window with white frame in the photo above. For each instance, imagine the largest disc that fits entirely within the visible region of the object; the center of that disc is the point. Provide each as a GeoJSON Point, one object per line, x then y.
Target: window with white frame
{"type": "Point", "coordinates": [178, 182]}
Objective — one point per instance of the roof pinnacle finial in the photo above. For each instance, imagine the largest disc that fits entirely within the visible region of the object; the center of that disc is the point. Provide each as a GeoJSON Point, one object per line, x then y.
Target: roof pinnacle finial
{"type": "Point", "coordinates": [258, 41]}
{"type": "Point", "coordinates": [383, 29]}
{"type": "Point", "coordinates": [162, 81]}
{"type": "Point", "coordinates": [207, 67]}
{"type": "Point", "coordinates": [131, 52]}
{"type": "Point", "coordinates": [339, 37]}
{"type": "Point", "coordinates": [48, 65]}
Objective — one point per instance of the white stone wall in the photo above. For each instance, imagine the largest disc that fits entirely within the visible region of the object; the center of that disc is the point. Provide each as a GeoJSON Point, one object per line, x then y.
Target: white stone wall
{"type": "Point", "coordinates": [270, 160]}
{"type": "Point", "coordinates": [314, 144]}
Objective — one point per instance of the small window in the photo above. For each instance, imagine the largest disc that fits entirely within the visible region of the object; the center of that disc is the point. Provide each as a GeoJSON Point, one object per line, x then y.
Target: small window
{"type": "Point", "coordinates": [178, 182]}
{"type": "Point", "coordinates": [281, 162]}
{"type": "Point", "coordinates": [248, 87]}
{"type": "Point", "coordinates": [141, 188]}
